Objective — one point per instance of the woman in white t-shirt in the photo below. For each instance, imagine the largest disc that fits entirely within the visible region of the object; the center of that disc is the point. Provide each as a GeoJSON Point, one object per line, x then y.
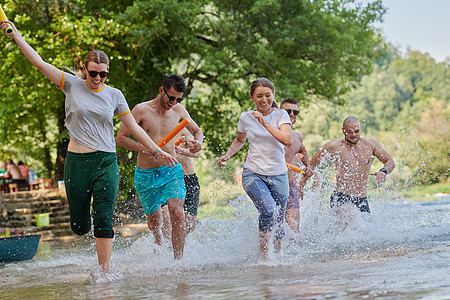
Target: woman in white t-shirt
{"type": "Point", "coordinates": [90, 167]}
{"type": "Point", "coordinates": [264, 178]}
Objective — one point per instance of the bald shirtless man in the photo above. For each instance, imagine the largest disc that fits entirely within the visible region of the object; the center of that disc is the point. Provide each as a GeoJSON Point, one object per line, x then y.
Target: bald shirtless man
{"type": "Point", "coordinates": [352, 157]}
{"type": "Point", "coordinates": [297, 147]}
{"type": "Point", "coordinates": [157, 184]}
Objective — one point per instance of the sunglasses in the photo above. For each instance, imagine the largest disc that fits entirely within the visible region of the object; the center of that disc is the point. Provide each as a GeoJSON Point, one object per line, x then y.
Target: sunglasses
{"type": "Point", "coordinates": [172, 98]}
{"type": "Point", "coordinates": [292, 110]}
{"type": "Point", "coordinates": [94, 74]}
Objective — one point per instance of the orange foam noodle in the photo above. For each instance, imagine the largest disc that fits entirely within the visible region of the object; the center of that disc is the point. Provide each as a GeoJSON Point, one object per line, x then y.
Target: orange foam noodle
{"type": "Point", "coordinates": [173, 133]}
{"type": "Point", "coordinates": [294, 168]}
{"type": "Point", "coordinates": [180, 140]}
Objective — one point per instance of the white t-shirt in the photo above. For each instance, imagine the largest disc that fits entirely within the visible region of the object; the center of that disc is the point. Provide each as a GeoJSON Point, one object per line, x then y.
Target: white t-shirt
{"type": "Point", "coordinates": [265, 153]}
{"type": "Point", "coordinates": [89, 114]}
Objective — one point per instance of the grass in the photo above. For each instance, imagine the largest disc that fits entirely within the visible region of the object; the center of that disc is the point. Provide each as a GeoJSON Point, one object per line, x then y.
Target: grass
{"type": "Point", "coordinates": [425, 192]}
{"type": "Point", "coordinates": [215, 197]}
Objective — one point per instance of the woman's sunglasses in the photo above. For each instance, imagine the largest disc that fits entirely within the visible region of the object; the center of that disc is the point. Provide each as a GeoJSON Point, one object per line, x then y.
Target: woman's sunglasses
{"type": "Point", "coordinates": [172, 98]}
{"type": "Point", "coordinates": [94, 74]}
{"type": "Point", "coordinates": [291, 110]}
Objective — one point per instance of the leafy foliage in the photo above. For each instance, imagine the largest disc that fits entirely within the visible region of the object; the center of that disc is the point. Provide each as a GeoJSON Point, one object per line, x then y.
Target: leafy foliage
{"type": "Point", "coordinates": [311, 49]}
{"type": "Point", "coordinates": [405, 104]}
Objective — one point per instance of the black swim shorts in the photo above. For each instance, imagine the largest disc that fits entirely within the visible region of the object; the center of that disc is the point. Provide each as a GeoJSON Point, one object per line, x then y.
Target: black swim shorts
{"type": "Point", "coordinates": [192, 194]}
{"type": "Point", "coordinates": [338, 199]}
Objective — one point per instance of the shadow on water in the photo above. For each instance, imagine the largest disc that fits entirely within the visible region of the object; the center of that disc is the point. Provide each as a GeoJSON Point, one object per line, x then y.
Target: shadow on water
{"type": "Point", "coordinates": [399, 251]}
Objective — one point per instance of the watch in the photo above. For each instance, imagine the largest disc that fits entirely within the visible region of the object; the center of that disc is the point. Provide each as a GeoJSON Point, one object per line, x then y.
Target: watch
{"type": "Point", "coordinates": [383, 170]}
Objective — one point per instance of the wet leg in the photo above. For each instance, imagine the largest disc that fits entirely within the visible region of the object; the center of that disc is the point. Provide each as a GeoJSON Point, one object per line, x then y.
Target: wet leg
{"type": "Point", "coordinates": [178, 232]}
{"type": "Point", "coordinates": [191, 222]}
{"type": "Point", "coordinates": [104, 249]}
{"type": "Point", "coordinates": [277, 246]}
{"type": "Point", "coordinates": [264, 238]}
{"type": "Point", "coordinates": [293, 219]}
{"type": "Point", "coordinates": [154, 224]}
{"type": "Point", "coordinates": [167, 225]}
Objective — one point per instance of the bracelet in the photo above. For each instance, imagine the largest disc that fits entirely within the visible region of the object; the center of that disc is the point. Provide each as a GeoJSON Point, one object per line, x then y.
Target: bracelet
{"type": "Point", "coordinates": [156, 152]}
{"type": "Point", "coordinates": [384, 171]}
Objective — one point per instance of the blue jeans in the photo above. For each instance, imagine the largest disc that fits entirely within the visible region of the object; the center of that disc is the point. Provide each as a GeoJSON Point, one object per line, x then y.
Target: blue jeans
{"type": "Point", "coordinates": [270, 195]}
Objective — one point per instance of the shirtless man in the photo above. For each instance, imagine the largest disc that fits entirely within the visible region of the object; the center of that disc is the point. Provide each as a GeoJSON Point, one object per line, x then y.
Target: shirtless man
{"type": "Point", "coordinates": [155, 183]}
{"type": "Point", "coordinates": [293, 205]}
{"type": "Point", "coordinates": [184, 157]}
{"type": "Point", "coordinates": [352, 158]}
{"type": "Point", "coordinates": [13, 172]}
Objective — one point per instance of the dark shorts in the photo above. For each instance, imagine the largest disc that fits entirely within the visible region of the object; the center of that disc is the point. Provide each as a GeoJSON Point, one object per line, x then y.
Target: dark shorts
{"type": "Point", "coordinates": [338, 199]}
{"type": "Point", "coordinates": [91, 175]}
{"type": "Point", "coordinates": [18, 181]}
{"type": "Point", "coordinates": [294, 196]}
{"type": "Point", "coordinates": [192, 194]}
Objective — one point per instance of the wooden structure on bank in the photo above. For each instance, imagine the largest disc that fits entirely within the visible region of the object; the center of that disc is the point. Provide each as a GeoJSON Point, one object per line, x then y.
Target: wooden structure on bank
{"type": "Point", "coordinates": [43, 183]}
{"type": "Point", "coordinates": [18, 210]}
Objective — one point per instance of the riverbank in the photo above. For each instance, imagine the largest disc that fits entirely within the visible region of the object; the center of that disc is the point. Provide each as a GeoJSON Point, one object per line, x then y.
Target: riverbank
{"type": "Point", "coordinates": [401, 251]}
{"type": "Point", "coordinates": [129, 221]}
{"type": "Point", "coordinates": [425, 192]}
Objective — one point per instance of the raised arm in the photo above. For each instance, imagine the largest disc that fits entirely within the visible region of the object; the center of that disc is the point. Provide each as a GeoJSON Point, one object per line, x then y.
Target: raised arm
{"type": "Point", "coordinates": [304, 155]}
{"type": "Point", "coordinates": [49, 71]}
{"type": "Point", "coordinates": [186, 152]}
{"type": "Point", "coordinates": [316, 160]}
{"type": "Point", "coordinates": [195, 144]}
{"type": "Point", "coordinates": [385, 158]}
{"type": "Point", "coordinates": [283, 135]}
{"type": "Point", "coordinates": [319, 155]}
{"type": "Point", "coordinates": [124, 140]}
{"type": "Point", "coordinates": [235, 146]}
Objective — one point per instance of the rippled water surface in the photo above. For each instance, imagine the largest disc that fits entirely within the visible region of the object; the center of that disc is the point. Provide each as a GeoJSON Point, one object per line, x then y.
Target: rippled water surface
{"type": "Point", "coordinates": [400, 251]}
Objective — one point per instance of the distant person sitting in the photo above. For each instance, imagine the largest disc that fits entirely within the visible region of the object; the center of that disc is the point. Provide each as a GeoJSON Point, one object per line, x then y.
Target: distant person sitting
{"type": "Point", "coordinates": [13, 172]}
{"type": "Point", "coordinates": [25, 170]}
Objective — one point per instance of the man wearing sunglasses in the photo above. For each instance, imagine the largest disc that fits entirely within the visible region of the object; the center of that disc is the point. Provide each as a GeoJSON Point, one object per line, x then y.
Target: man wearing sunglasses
{"type": "Point", "coordinates": [155, 183]}
{"type": "Point", "coordinates": [295, 152]}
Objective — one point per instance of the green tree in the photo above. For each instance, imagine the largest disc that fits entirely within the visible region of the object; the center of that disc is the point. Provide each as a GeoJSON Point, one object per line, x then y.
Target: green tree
{"type": "Point", "coordinates": [425, 148]}
{"type": "Point", "coordinates": [404, 103]}
{"type": "Point", "coordinates": [310, 49]}
{"type": "Point", "coordinates": [32, 108]}
{"type": "Point", "coordinates": [315, 48]}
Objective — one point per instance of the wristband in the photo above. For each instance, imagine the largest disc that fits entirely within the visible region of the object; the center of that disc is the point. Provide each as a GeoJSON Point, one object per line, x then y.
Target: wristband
{"type": "Point", "coordinates": [156, 152]}
{"type": "Point", "coordinates": [384, 170]}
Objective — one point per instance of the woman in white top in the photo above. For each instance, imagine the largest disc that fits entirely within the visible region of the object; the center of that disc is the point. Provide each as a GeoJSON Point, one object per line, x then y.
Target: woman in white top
{"type": "Point", "coordinates": [264, 177]}
{"type": "Point", "coordinates": [91, 163]}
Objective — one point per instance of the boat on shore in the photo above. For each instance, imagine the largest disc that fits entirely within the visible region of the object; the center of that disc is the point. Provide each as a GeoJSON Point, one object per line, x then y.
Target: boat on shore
{"type": "Point", "coordinates": [19, 248]}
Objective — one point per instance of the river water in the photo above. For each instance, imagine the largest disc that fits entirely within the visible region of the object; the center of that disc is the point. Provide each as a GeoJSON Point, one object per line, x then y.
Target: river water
{"type": "Point", "coordinates": [399, 251]}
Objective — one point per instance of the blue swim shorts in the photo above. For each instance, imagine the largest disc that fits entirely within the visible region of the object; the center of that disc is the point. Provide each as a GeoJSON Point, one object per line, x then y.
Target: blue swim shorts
{"type": "Point", "coordinates": [157, 186]}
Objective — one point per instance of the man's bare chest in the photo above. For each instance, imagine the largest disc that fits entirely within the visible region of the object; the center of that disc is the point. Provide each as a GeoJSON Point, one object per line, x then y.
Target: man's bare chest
{"type": "Point", "coordinates": [353, 157]}
{"type": "Point", "coordinates": [159, 126]}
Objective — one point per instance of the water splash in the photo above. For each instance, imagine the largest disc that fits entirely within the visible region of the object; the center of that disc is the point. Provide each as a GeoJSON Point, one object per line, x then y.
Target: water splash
{"type": "Point", "coordinates": [222, 254]}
